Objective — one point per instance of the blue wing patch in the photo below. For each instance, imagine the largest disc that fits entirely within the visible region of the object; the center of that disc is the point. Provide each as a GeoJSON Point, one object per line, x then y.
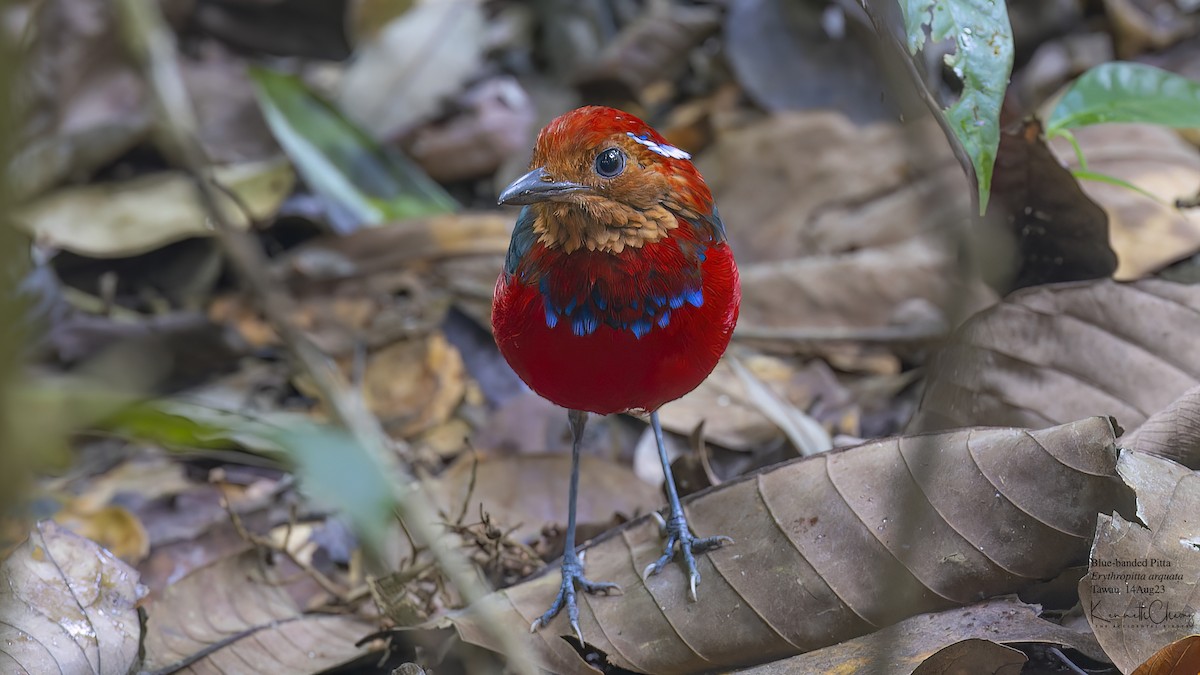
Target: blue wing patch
{"type": "Point", "coordinates": [523, 239]}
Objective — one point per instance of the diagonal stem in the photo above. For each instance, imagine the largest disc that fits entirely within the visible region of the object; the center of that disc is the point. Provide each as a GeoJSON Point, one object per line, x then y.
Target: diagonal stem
{"type": "Point", "coordinates": [152, 44]}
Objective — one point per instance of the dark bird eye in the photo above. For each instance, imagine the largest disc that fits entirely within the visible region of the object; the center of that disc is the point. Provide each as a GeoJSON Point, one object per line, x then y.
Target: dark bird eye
{"type": "Point", "coordinates": [610, 163]}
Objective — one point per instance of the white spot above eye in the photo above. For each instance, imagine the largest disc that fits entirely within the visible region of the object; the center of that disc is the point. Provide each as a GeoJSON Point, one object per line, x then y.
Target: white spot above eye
{"type": "Point", "coordinates": [660, 148]}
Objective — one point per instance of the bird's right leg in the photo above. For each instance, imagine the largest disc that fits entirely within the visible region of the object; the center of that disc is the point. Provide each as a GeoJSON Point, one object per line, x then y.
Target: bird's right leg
{"type": "Point", "coordinates": [572, 565]}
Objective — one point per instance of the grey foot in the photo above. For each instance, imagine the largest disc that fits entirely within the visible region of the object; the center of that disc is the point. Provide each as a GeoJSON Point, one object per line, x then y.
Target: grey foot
{"type": "Point", "coordinates": [572, 576]}
{"type": "Point", "coordinates": [677, 532]}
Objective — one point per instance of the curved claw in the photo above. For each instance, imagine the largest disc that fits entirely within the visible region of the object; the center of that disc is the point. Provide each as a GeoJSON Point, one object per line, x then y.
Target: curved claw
{"type": "Point", "coordinates": [690, 546]}
{"type": "Point", "coordinates": [572, 575]}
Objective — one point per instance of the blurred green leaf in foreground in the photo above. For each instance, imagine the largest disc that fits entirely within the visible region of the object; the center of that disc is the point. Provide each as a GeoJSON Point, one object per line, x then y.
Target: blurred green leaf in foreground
{"type": "Point", "coordinates": [332, 468]}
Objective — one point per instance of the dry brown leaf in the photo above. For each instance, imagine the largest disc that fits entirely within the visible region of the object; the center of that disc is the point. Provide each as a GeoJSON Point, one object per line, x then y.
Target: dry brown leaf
{"type": "Point", "coordinates": [413, 385]}
{"type": "Point", "coordinates": [1060, 234]}
{"type": "Point", "coordinates": [230, 124]}
{"type": "Point", "coordinates": [85, 102]}
{"type": "Point", "coordinates": [906, 647]}
{"type": "Point", "coordinates": [864, 187]}
{"type": "Point", "coordinates": [1173, 432]}
{"type": "Point", "coordinates": [1142, 589]}
{"type": "Point", "coordinates": [1140, 26]}
{"type": "Point", "coordinates": [527, 492]}
{"type": "Point", "coordinates": [1055, 353]}
{"type": "Point", "coordinates": [805, 56]}
{"type": "Point", "coordinates": [67, 606]}
{"type": "Point", "coordinates": [1147, 235]}
{"type": "Point", "coordinates": [651, 48]}
{"type": "Point", "coordinates": [235, 617]}
{"type": "Point", "coordinates": [1181, 657]}
{"type": "Point", "coordinates": [837, 545]}
{"type": "Point", "coordinates": [867, 235]}
{"type": "Point", "coordinates": [492, 123]}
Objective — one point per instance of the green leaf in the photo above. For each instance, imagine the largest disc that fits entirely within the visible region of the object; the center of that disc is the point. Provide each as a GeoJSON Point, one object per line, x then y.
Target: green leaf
{"type": "Point", "coordinates": [1084, 174]}
{"type": "Point", "coordinates": [1128, 92]}
{"type": "Point", "coordinates": [982, 59]}
{"type": "Point", "coordinates": [339, 161]}
{"type": "Point", "coordinates": [331, 466]}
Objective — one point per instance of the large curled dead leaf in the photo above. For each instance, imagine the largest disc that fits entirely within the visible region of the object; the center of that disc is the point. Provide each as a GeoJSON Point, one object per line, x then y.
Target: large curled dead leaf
{"type": "Point", "coordinates": [1146, 234]}
{"type": "Point", "coordinates": [67, 606]}
{"type": "Point", "coordinates": [107, 220]}
{"type": "Point", "coordinates": [838, 545]}
{"type": "Point", "coordinates": [236, 617]}
{"type": "Point", "coordinates": [1142, 589]}
{"type": "Point", "coordinates": [1055, 353]}
{"type": "Point", "coordinates": [953, 634]}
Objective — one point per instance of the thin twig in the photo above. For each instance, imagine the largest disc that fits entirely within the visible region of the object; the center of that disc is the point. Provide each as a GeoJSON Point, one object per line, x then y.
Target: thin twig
{"type": "Point", "coordinates": [328, 585]}
{"type": "Point", "coordinates": [152, 45]}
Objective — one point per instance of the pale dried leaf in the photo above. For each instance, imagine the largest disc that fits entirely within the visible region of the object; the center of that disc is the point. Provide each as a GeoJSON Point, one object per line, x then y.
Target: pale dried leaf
{"type": "Point", "coordinates": [400, 77]}
{"type": "Point", "coordinates": [805, 433]}
{"type": "Point", "coordinates": [68, 606]}
{"type": "Point", "coordinates": [930, 522]}
{"type": "Point", "coordinates": [731, 417]}
{"type": "Point", "coordinates": [1143, 584]}
{"type": "Point", "coordinates": [1147, 235]}
{"type": "Point", "coordinates": [120, 219]}
{"type": "Point", "coordinates": [235, 617]}
{"type": "Point", "coordinates": [1051, 354]}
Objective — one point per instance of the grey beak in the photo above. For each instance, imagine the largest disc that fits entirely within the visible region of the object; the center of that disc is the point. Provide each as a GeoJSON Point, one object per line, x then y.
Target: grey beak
{"type": "Point", "coordinates": [536, 186]}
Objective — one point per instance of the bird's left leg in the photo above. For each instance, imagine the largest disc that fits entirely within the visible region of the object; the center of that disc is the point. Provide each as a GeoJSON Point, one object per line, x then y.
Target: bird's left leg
{"type": "Point", "coordinates": [572, 563]}
{"type": "Point", "coordinates": [676, 526]}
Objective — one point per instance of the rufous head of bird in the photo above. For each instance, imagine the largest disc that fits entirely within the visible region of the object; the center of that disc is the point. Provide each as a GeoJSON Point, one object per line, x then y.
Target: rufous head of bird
{"type": "Point", "coordinates": [602, 179]}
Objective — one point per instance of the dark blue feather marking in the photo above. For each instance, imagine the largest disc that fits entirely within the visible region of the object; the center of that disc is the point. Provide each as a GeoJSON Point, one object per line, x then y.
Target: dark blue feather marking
{"type": "Point", "coordinates": [640, 328]}
{"type": "Point", "coordinates": [664, 320]}
{"type": "Point", "coordinates": [551, 315]}
{"type": "Point", "coordinates": [523, 239]}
